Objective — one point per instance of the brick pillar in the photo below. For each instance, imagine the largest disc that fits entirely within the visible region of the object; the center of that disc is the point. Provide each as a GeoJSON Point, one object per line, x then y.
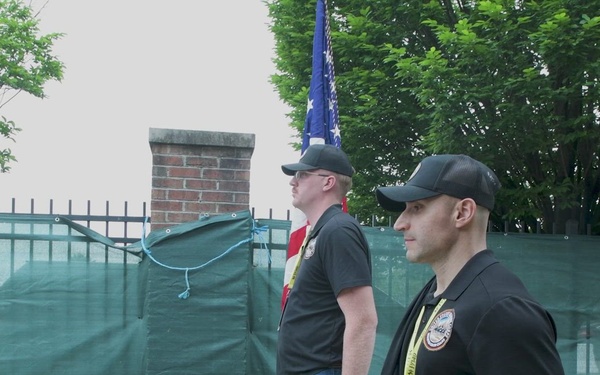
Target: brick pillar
{"type": "Point", "coordinates": [198, 173]}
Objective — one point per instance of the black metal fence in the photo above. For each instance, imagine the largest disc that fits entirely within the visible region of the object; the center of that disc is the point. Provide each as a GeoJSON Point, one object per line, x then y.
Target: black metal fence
{"type": "Point", "coordinates": [123, 225]}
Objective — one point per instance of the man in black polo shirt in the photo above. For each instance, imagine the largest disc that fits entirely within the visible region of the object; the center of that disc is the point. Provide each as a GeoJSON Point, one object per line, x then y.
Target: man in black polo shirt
{"type": "Point", "coordinates": [474, 316]}
{"type": "Point", "coordinates": [329, 320]}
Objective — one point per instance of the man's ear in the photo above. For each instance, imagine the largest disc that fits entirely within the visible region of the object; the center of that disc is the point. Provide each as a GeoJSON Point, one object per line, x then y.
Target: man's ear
{"type": "Point", "coordinates": [331, 180]}
{"type": "Point", "coordinates": [465, 212]}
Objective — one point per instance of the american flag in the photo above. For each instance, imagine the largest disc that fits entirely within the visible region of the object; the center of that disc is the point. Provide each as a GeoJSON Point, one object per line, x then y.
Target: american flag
{"type": "Point", "coordinates": [321, 125]}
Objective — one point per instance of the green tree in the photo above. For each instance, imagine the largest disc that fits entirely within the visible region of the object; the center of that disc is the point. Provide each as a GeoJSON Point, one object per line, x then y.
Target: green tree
{"type": "Point", "coordinates": [379, 120]}
{"type": "Point", "coordinates": [26, 63]}
{"type": "Point", "coordinates": [514, 84]}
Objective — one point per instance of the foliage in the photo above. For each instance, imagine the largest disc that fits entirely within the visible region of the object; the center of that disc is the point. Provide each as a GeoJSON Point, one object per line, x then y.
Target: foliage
{"type": "Point", "coordinates": [379, 119]}
{"type": "Point", "coordinates": [513, 84]}
{"type": "Point", "coordinates": [26, 63]}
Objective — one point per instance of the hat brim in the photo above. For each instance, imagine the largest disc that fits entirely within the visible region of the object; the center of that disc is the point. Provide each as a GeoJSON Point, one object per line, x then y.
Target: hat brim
{"type": "Point", "coordinates": [291, 169]}
{"type": "Point", "coordinates": [394, 198]}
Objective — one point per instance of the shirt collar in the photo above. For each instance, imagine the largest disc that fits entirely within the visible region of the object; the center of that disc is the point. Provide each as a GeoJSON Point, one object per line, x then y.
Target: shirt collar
{"type": "Point", "coordinates": [467, 274]}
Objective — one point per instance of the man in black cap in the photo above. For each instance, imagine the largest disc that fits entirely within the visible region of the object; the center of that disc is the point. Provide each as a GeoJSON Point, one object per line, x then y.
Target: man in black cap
{"type": "Point", "coordinates": [474, 316]}
{"type": "Point", "coordinates": [329, 320]}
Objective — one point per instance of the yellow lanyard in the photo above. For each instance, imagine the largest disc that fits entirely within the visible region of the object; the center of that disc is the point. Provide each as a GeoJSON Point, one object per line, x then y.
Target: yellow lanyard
{"type": "Point", "coordinates": [299, 259]}
{"type": "Point", "coordinates": [410, 366]}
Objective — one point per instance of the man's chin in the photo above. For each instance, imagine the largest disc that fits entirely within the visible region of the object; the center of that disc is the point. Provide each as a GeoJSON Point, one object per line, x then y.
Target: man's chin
{"type": "Point", "coordinates": [411, 257]}
{"type": "Point", "coordinates": [296, 204]}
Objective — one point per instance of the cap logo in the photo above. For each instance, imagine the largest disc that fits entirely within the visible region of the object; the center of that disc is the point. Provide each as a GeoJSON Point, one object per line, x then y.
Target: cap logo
{"type": "Point", "coordinates": [491, 177]}
{"type": "Point", "coordinates": [415, 172]}
{"type": "Point", "coordinates": [440, 330]}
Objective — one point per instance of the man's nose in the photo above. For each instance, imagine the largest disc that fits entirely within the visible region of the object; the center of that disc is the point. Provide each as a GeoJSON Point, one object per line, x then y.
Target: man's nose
{"type": "Point", "coordinates": [401, 224]}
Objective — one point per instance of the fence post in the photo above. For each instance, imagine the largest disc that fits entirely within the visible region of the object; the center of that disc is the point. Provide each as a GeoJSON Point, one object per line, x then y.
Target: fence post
{"type": "Point", "coordinates": [571, 227]}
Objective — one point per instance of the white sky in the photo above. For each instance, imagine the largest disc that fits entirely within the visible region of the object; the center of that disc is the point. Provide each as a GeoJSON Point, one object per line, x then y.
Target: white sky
{"type": "Point", "coordinates": [136, 64]}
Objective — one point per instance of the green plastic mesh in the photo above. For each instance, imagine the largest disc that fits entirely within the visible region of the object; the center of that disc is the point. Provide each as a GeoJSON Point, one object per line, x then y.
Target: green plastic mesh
{"type": "Point", "coordinates": [205, 297]}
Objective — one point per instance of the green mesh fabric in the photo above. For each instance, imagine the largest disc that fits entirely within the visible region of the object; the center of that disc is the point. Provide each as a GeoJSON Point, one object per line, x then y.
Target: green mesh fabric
{"type": "Point", "coordinates": [205, 297]}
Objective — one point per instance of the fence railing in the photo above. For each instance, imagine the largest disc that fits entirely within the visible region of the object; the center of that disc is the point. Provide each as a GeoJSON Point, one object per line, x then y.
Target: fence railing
{"type": "Point", "coordinates": [122, 225]}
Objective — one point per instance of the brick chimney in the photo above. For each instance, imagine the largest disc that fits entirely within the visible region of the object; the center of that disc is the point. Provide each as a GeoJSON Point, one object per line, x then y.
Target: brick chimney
{"type": "Point", "coordinates": [197, 173]}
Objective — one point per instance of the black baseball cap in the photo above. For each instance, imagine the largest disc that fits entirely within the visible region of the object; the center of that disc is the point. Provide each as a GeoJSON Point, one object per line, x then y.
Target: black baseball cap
{"type": "Point", "coordinates": [459, 176]}
{"type": "Point", "coordinates": [321, 156]}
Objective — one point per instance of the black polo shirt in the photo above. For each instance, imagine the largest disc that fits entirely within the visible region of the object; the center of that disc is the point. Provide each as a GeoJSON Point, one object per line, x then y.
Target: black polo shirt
{"type": "Point", "coordinates": [488, 325]}
{"type": "Point", "coordinates": [312, 325]}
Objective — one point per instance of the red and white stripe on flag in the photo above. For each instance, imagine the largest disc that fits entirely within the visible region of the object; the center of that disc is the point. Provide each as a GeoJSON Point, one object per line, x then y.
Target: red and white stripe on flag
{"type": "Point", "coordinates": [321, 126]}
{"type": "Point", "coordinates": [297, 235]}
